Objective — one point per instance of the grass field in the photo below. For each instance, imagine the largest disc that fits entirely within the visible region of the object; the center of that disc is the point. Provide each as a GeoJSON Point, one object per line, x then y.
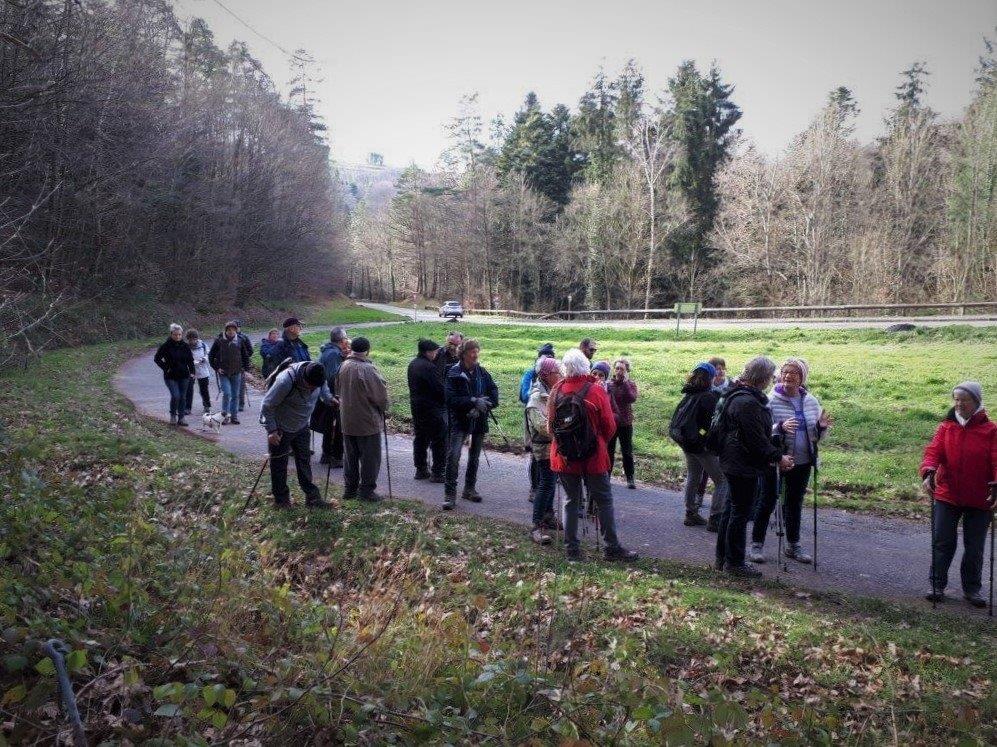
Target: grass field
{"type": "Point", "coordinates": [887, 393]}
{"type": "Point", "coordinates": [342, 310]}
{"type": "Point", "coordinates": [192, 622]}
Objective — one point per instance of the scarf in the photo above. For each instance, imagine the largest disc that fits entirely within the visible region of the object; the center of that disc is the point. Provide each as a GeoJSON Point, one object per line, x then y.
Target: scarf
{"type": "Point", "coordinates": [961, 420]}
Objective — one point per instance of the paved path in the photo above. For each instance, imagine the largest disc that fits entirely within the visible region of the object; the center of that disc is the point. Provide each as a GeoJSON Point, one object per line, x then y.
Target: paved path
{"type": "Point", "coordinates": [867, 555]}
{"type": "Point", "coordinates": [425, 315]}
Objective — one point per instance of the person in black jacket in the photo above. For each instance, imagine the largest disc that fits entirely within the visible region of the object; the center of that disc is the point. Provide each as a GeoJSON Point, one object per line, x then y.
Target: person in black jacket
{"type": "Point", "coordinates": [290, 344]}
{"type": "Point", "coordinates": [229, 359]}
{"type": "Point", "coordinates": [747, 450]}
{"type": "Point", "coordinates": [177, 362]}
{"type": "Point", "coordinates": [427, 400]}
{"type": "Point", "coordinates": [699, 461]}
{"type": "Point", "coordinates": [470, 395]}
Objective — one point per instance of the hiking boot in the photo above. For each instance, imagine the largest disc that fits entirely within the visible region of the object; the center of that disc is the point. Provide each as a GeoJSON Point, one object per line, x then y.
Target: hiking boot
{"type": "Point", "coordinates": [631, 484]}
{"type": "Point", "coordinates": [242, 408]}
{"type": "Point", "coordinates": [935, 597]}
{"type": "Point", "coordinates": [713, 524]}
{"type": "Point", "coordinates": [540, 536]}
{"type": "Point", "coordinates": [371, 498]}
{"type": "Point", "coordinates": [471, 495]}
{"type": "Point", "coordinates": [620, 554]}
{"type": "Point", "coordinates": [181, 421]}
{"type": "Point", "coordinates": [173, 419]}
{"type": "Point", "coordinates": [743, 571]}
{"type": "Point", "coordinates": [551, 522]}
{"type": "Point", "coordinates": [234, 421]}
{"type": "Point", "coordinates": [318, 503]}
{"type": "Point", "coordinates": [531, 496]}
{"type": "Point", "coordinates": [437, 478]}
{"type": "Point", "coordinates": [422, 474]}
{"type": "Point", "coordinates": [281, 505]}
{"type": "Point", "coordinates": [976, 599]}
{"type": "Point", "coordinates": [756, 554]}
{"type": "Point", "coordinates": [336, 464]}
{"type": "Point", "coordinates": [572, 554]}
{"type": "Point", "coordinates": [349, 496]}
{"type": "Point", "coordinates": [449, 501]}
{"type": "Point", "coordinates": [693, 519]}
{"type": "Point", "coordinates": [795, 552]}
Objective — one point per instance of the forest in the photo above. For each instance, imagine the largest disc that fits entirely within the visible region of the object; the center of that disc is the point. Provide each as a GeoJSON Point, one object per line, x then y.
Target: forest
{"type": "Point", "coordinates": [140, 163]}
{"type": "Point", "coordinates": [623, 202]}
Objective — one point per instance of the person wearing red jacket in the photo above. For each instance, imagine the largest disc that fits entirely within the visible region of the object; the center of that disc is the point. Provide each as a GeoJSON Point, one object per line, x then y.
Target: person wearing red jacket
{"type": "Point", "coordinates": [592, 471]}
{"type": "Point", "coordinates": [959, 470]}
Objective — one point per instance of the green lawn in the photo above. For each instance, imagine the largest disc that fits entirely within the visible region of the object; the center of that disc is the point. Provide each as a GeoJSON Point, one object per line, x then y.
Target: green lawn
{"type": "Point", "coordinates": [886, 392]}
{"type": "Point", "coordinates": [342, 310]}
{"type": "Point", "coordinates": [193, 622]}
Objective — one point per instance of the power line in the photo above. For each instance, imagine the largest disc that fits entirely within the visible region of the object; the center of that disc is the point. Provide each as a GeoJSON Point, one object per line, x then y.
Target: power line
{"type": "Point", "coordinates": [292, 55]}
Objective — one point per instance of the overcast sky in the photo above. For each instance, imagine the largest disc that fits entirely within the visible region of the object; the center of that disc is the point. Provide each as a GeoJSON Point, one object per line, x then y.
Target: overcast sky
{"type": "Point", "coordinates": [394, 69]}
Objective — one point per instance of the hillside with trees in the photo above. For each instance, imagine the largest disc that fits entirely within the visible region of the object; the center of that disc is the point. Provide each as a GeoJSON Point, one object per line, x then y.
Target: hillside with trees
{"type": "Point", "coordinates": [140, 163]}
{"type": "Point", "coordinates": [639, 198]}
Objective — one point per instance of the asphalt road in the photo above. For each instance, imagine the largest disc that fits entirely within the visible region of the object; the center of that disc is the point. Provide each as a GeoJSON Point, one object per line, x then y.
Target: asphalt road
{"type": "Point", "coordinates": [861, 554]}
{"type": "Point", "coordinates": [425, 315]}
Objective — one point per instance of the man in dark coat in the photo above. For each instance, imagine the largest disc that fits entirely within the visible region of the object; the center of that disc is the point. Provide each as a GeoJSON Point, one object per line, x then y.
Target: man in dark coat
{"type": "Point", "coordinates": [747, 451]}
{"type": "Point", "coordinates": [290, 344]}
{"type": "Point", "coordinates": [470, 395]}
{"type": "Point", "coordinates": [427, 400]}
{"type": "Point", "coordinates": [331, 356]}
{"type": "Point", "coordinates": [228, 357]}
{"type": "Point", "coordinates": [247, 346]}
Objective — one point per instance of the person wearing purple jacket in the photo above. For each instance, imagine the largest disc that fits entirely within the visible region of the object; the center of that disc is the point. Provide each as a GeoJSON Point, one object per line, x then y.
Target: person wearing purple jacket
{"type": "Point", "coordinates": [623, 392]}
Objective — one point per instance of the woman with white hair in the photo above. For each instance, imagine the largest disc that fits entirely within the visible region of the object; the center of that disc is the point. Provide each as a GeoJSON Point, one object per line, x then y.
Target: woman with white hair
{"type": "Point", "coordinates": [578, 452]}
{"type": "Point", "coordinates": [960, 474]}
{"type": "Point", "coordinates": [800, 421]}
{"type": "Point", "coordinates": [747, 452]}
{"type": "Point", "coordinates": [175, 359]}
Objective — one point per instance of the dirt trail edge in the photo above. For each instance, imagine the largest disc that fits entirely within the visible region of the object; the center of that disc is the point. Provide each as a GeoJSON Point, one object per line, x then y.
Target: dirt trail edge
{"type": "Point", "coordinates": [859, 554]}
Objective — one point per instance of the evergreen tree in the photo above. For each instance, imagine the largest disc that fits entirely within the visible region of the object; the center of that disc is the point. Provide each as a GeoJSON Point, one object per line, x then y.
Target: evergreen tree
{"type": "Point", "coordinates": [703, 119]}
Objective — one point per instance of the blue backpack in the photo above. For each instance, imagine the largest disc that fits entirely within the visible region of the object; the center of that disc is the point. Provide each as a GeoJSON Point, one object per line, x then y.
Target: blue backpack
{"type": "Point", "coordinates": [526, 383]}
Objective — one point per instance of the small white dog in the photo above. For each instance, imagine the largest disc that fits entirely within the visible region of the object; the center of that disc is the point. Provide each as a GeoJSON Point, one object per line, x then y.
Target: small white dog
{"type": "Point", "coordinates": [214, 422]}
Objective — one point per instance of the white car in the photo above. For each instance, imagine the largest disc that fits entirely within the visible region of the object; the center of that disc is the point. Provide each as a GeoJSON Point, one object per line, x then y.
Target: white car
{"type": "Point", "coordinates": [452, 309]}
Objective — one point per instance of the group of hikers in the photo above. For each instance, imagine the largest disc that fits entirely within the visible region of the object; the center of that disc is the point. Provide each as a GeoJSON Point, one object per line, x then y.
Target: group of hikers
{"type": "Point", "coordinates": [758, 443]}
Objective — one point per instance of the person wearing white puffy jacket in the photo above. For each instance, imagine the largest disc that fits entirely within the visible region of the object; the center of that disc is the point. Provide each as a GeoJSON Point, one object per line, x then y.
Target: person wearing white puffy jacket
{"type": "Point", "coordinates": [801, 422]}
{"type": "Point", "coordinates": [202, 370]}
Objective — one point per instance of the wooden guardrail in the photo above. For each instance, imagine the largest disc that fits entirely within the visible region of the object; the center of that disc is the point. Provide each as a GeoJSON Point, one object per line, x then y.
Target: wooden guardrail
{"type": "Point", "coordinates": [959, 308]}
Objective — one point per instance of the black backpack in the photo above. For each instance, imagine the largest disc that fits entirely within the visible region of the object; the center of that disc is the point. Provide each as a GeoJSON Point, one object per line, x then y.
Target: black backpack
{"type": "Point", "coordinates": [571, 427]}
{"type": "Point", "coordinates": [281, 367]}
{"type": "Point", "coordinates": [683, 429]}
{"type": "Point", "coordinates": [716, 436]}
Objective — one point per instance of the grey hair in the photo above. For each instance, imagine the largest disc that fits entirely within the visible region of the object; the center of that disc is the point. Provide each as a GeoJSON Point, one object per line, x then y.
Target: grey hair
{"type": "Point", "coordinates": [337, 334]}
{"type": "Point", "coordinates": [575, 363]}
{"type": "Point", "coordinates": [758, 371]}
{"type": "Point", "coordinates": [176, 328]}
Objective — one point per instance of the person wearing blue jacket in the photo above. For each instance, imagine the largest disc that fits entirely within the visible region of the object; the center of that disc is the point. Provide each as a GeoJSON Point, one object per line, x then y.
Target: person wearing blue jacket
{"type": "Point", "coordinates": [267, 346]}
{"type": "Point", "coordinates": [470, 395]}
{"type": "Point", "coordinates": [525, 385]}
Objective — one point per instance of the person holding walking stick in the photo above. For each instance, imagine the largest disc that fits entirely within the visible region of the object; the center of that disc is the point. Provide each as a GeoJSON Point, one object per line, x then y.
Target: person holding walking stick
{"type": "Point", "coordinates": [285, 413]}
{"type": "Point", "coordinates": [363, 402]}
{"type": "Point", "coordinates": [959, 471]}
{"type": "Point", "coordinates": [800, 423]}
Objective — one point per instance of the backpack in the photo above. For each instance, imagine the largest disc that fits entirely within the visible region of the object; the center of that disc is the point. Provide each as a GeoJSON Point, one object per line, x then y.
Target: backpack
{"type": "Point", "coordinates": [683, 428]}
{"type": "Point", "coordinates": [716, 436]}
{"type": "Point", "coordinates": [281, 367]}
{"type": "Point", "coordinates": [571, 427]}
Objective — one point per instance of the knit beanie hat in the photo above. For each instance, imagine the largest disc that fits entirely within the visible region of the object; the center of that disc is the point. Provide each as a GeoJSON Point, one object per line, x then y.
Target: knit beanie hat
{"type": "Point", "coordinates": [800, 365]}
{"type": "Point", "coordinates": [427, 346]}
{"type": "Point", "coordinates": [547, 366]}
{"type": "Point", "coordinates": [545, 351]}
{"type": "Point", "coordinates": [973, 389]}
{"type": "Point", "coordinates": [708, 367]}
{"type": "Point", "coordinates": [314, 373]}
{"type": "Point", "coordinates": [602, 366]}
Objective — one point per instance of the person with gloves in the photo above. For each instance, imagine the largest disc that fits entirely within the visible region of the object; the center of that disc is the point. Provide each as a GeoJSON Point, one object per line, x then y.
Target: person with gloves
{"type": "Point", "coordinates": [470, 395]}
{"type": "Point", "coordinates": [959, 470]}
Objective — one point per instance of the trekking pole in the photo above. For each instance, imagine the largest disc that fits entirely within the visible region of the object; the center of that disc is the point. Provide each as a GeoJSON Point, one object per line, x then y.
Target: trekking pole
{"type": "Point", "coordinates": [778, 517]}
{"type": "Point", "coordinates": [508, 445]}
{"type": "Point", "coordinates": [255, 484]}
{"type": "Point", "coordinates": [991, 611]}
{"type": "Point", "coordinates": [387, 454]}
{"type": "Point", "coordinates": [815, 515]}
{"type": "Point", "coordinates": [934, 585]}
